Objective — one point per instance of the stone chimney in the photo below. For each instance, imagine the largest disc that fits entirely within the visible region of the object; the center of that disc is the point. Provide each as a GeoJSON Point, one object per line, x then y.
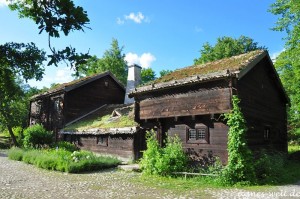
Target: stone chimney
{"type": "Point", "coordinates": [133, 80]}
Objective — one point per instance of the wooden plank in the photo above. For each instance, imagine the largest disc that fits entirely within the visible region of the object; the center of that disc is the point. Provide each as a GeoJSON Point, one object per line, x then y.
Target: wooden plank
{"type": "Point", "coordinates": [196, 103]}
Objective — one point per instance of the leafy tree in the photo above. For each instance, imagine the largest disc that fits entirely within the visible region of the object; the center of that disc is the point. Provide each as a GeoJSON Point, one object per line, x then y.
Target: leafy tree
{"type": "Point", "coordinates": [226, 47]}
{"type": "Point", "coordinates": [147, 75]}
{"type": "Point", "coordinates": [53, 17]}
{"type": "Point", "coordinates": [288, 62]}
{"type": "Point", "coordinates": [164, 72]}
{"type": "Point", "coordinates": [17, 60]}
{"type": "Point", "coordinates": [112, 60]}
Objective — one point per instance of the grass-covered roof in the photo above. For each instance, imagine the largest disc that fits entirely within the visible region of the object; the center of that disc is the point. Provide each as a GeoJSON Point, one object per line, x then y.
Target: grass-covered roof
{"type": "Point", "coordinates": [110, 116]}
{"type": "Point", "coordinates": [205, 72]}
{"type": "Point", "coordinates": [232, 63]}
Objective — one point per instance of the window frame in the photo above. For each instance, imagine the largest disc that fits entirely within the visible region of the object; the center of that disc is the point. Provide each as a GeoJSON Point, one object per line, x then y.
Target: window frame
{"type": "Point", "coordinates": [198, 138]}
{"type": "Point", "coordinates": [104, 141]}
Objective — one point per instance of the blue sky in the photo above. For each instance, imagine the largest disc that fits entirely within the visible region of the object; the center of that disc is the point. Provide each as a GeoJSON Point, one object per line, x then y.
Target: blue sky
{"type": "Point", "coordinates": [158, 34]}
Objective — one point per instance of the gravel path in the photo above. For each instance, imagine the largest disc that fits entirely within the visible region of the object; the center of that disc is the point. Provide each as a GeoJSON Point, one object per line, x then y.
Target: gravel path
{"type": "Point", "coordinates": [20, 180]}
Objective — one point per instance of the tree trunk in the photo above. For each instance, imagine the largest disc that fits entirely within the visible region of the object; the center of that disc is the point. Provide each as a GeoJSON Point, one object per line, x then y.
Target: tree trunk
{"type": "Point", "coordinates": [12, 135]}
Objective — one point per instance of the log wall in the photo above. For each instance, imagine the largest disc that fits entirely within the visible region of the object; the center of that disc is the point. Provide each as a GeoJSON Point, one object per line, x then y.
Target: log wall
{"type": "Point", "coordinates": [91, 96]}
{"type": "Point", "coordinates": [198, 102]}
{"type": "Point", "coordinates": [119, 145]}
{"type": "Point", "coordinates": [264, 106]}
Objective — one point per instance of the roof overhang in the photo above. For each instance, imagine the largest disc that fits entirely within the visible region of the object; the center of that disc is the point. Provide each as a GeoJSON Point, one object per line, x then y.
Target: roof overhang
{"type": "Point", "coordinates": [99, 131]}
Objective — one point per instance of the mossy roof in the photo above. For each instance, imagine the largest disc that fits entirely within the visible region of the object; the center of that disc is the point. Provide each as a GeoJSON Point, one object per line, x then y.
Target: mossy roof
{"type": "Point", "coordinates": [197, 73]}
{"type": "Point", "coordinates": [109, 119]}
{"type": "Point", "coordinates": [75, 84]}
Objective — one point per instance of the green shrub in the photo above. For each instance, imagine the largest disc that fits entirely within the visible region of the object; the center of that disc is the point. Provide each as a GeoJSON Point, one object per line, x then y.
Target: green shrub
{"type": "Point", "coordinates": [30, 156]}
{"type": "Point", "coordinates": [92, 163]}
{"type": "Point", "coordinates": [163, 161]}
{"type": "Point", "coordinates": [66, 146]}
{"type": "Point", "coordinates": [151, 155]}
{"type": "Point", "coordinates": [63, 160]}
{"type": "Point", "coordinates": [37, 137]}
{"type": "Point", "coordinates": [269, 167]}
{"type": "Point", "coordinates": [240, 169]}
{"type": "Point", "coordinates": [15, 154]}
{"type": "Point", "coordinates": [172, 159]}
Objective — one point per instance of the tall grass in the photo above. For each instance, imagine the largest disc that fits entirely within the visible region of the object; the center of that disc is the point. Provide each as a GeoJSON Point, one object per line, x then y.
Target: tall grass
{"type": "Point", "coordinates": [63, 160]}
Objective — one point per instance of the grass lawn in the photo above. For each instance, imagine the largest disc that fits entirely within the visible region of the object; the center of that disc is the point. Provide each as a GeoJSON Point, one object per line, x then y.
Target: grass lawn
{"type": "Point", "coordinates": [180, 185]}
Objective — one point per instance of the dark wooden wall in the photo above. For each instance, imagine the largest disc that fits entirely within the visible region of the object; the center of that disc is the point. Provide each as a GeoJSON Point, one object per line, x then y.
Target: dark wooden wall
{"type": "Point", "coordinates": [217, 137]}
{"type": "Point", "coordinates": [47, 111]}
{"type": "Point", "coordinates": [263, 106]}
{"type": "Point", "coordinates": [120, 145]}
{"type": "Point", "coordinates": [189, 100]}
{"type": "Point", "coordinates": [92, 95]}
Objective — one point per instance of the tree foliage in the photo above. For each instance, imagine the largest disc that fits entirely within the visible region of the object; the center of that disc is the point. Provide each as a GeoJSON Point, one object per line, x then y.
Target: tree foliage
{"type": "Point", "coordinates": [240, 168]}
{"type": "Point", "coordinates": [53, 17]}
{"type": "Point", "coordinates": [18, 62]}
{"type": "Point", "coordinates": [147, 75]}
{"type": "Point", "coordinates": [226, 47]}
{"type": "Point", "coordinates": [113, 60]}
{"type": "Point", "coordinates": [288, 62]}
{"type": "Point", "coordinates": [164, 72]}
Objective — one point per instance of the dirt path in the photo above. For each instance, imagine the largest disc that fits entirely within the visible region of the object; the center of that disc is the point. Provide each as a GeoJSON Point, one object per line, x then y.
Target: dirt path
{"type": "Point", "coordinates": [20, 180]}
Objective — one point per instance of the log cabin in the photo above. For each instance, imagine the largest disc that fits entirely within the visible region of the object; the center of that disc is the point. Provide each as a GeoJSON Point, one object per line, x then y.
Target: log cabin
{"type": "Point", "coordinates": [67, 102]}
{"type": "Point", "coordinates": [190, 102]}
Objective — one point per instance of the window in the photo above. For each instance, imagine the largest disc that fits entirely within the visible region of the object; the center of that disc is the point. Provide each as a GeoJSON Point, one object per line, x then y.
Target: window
{"type": "Point", "coordinates": [198, 135]}
{"type": "Point", "coordinates": [267, 133]}
{"type": "Point", "coordinates": [102, 141]}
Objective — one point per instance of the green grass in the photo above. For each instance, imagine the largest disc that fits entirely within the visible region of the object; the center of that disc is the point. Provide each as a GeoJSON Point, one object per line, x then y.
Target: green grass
{"type": "Point", "coordinates": [62, 160]}
{"type": "Point", "coordinates": [293, 148]}
{"type": "Point", "coordinates": [103, 122]}
{"type": "Point", "coordinates": [290, 175]}
{"type": "Point", "coordinates": [178, 185]}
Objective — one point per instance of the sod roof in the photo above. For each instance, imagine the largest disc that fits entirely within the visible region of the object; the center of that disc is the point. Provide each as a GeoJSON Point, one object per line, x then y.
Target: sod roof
{"type": "Point", "coordinates": [197, 73]}
{"type": "Point", "coordinates": [110, 119]}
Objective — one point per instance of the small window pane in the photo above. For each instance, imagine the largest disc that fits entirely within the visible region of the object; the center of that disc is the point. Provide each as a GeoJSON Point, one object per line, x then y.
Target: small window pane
{"type": "Point", "coordinates": [201, 134]}
{"type": "Point", "coordinates": [192, 134]}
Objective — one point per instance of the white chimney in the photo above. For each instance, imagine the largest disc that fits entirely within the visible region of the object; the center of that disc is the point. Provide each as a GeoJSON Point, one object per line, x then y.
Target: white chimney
{"type": "Point", "coordinates": [133, 80]}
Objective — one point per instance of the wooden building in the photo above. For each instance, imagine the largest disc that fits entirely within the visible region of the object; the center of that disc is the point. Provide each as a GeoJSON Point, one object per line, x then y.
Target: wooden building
{"type": "Point", "coordinates": [189, 102]}
{"type": "Point", "coordinates": [109, 130]}
{"type": "Point", "coordinates": [67, 102]}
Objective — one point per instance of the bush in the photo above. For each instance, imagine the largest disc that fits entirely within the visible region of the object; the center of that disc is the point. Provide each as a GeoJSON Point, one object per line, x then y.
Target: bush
{"type": "Point", "coordinates": [37, 137]}
{"type": "Point", "coordinates": [62, 160]}
{"type": "Point", "coordinates": [31, 156]}
{"type": "Point", "coordinates": [151, 155]}
{"type": "Point", "coordinates": [163, 161]}
{"type": "Point", "coordinates": [173, 158]}
{"type": "Point", "coordinates": [269, 167]}
{"type": "Point", "coordinates": [15, 154]}
{"type": "Point", "coordinates": [67, 146]}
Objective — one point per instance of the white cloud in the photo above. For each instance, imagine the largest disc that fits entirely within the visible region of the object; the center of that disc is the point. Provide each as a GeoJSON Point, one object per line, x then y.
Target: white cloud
{"type": "Point", "coordinates": [145, 60]}
{"type": "Point", "coordinates": [135, 17]}
{"type": "Point", "coordinates": [275, 55]}
{"type": "Point", "coordinates": [3, 3]}
{"type": "Point", "coordinates": [120, 21]}
{"type": "Point", "coordinates": [58, 75]}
